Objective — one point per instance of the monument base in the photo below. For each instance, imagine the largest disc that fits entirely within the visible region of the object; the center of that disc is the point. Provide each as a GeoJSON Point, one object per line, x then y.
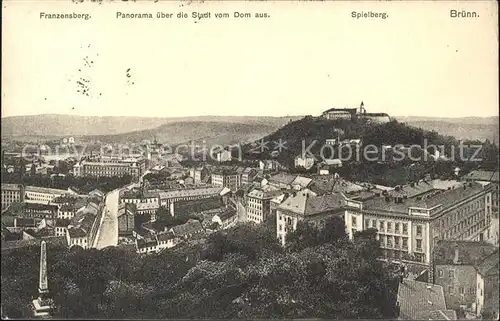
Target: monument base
{"type": "Point", "coordinates": [41, 307]}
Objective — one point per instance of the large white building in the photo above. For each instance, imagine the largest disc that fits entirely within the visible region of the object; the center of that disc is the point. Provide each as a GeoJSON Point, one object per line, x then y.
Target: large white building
{"type": "Point", "coordinates": [35, 194]}
{"type": "Point", "coordinates": [110, 166]}
{"type": "Point", "coordinates": [305, 205]}
{"type": "Point", "coordinates": [411, 219]}
{"type": "Point", "coordinates": [258, 205]}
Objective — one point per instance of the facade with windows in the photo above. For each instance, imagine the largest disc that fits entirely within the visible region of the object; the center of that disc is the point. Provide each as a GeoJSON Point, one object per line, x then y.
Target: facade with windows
{"type": "Point", "coordinates": [43, 195]}
{"type": "Point", "coordinates": [411, 219]}
{"type": "Point", "coordinates": [306, 206]}
{"type": "Point", "coordinates": [12, 193]}
{"type": "Point", "coordinates": [454, 268]}
{"type": "Point", "coordinates": [171, 196]}
{"type": "Point", "coordinates": [258, 207]}
{"type": "Point", "coordinates": [109, 167]}
{"type": "Point", "coordinates": [226, 178]}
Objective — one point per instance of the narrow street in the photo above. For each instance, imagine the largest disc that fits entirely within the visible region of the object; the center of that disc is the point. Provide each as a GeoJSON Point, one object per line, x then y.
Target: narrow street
{"type": "Point", "coordinates": [108, 229]}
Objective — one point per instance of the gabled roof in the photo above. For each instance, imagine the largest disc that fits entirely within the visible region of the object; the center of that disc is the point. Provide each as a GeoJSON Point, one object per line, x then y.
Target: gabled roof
{"type": "Point", "coordinates": [282, 178]}
{"type": "Point", "coordinates": [490, 265]}
{"type": "Point", "coordinates": [418, 299]}
{"type": "Point", "coordinates": [192, 226]}
{"type": "Point", "coordinates": [166, 236]}
{"type": "Point", "coordinates": [306, 203]}
{"type": "Point", "coordinates": [482, 175]}
{"type": "Point", "coordinates": [302, 181]}
{"type": "Point", "coordinates": [228, 213]}
{"type": "Point", "coordinates": [469, 252]}
{"type": "Point", "coordinates": [330, 162]}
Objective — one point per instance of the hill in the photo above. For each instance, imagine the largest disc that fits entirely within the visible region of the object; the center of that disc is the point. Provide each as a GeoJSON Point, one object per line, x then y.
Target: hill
{"type": "Point", "coordinates": [51, 125]}
{"type": "Point", "coordinates": [210, 132]}
{"type": "Point", "coordinates": [313, 131]}
{"type": "Point", "coordinates": [466, 128]}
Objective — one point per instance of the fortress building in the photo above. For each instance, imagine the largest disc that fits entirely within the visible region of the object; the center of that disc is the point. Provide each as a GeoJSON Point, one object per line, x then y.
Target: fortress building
{"type": "Point", "coordinates": [356, 113]}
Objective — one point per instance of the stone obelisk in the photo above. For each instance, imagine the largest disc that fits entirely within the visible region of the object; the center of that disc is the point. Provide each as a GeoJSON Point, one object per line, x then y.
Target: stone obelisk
{"type": "Point", "coordinates": [43, 304]}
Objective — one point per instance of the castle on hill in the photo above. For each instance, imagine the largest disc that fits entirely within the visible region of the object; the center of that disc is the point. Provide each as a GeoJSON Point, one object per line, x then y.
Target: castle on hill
{"type": "Point", "coordinates": [356, 113]}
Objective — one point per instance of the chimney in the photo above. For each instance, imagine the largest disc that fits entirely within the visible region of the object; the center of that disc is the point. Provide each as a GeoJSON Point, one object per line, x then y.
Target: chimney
{"type": "Point", "coordinates": [456, 258]}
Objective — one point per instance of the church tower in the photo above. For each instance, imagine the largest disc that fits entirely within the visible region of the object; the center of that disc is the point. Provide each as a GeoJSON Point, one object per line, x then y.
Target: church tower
{"type": "Point", "coordinates": [362, 109]}
{"type": "Point", "coordinates": [43, 305]}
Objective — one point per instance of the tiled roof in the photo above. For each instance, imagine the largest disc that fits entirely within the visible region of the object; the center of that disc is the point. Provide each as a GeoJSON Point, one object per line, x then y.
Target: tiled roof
{"type": "Point", "coordinates": [305, 203]}
{"type": "Point", "coordinates": [144, 243]}
{"type": "Point", "coordinates": [11, 186]}
{"type": "Point", "coordinates": [263, 194]}
{"type": "Point", "coordinates": [188, 207]}
{"type": "Point", "coordinates": [23, 222]}
{"type": "Point", "coordinates": [302, 181]}
{"type": "Point", "coordinates": [490, 265]}
{"type": "Point", "coordinates": [433, 198]}
{"type": "Point", "coordinates": [45, 190]}
{"type": "Point", "coordinates": [283, 178]}
{"type": "Point", "coordinates": [61, 222]}
{"type": "Point", "coordinates": [418, 299]}
{"type": "Point", "coordinates": [190, 192]}
{"type": "Point", "coordinates": [330, 162]}
{"type": "Point", "coordinates": [147, 206]}
{"type": "Point", "coordinates": [469, 252]}
{"type": "Point", "coordinates": [191, 226]}
{"type": "Point", "coordinates": [481, 175]}
{"type": "Point", "coordinates": [166, 236]}
{"type": "Point", "coordinates": [228, 213]}
{"type": "Point", "coordinates": [76, 232]}
{"type": "Point", "coordinates": [324, 185]}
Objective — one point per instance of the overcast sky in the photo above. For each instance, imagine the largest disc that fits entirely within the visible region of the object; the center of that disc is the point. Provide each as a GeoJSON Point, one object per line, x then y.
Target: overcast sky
{"type": "Point", "coordinates": [306, 58]}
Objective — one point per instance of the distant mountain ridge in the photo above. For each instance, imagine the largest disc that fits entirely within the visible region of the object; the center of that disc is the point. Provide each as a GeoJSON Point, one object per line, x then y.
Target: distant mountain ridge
{"type": "Point", "coordinates": [198, 132]}
{"type": "Point", "coordinates": [54, 125]}
{"type": "Point", "coordinates": [466, 128]}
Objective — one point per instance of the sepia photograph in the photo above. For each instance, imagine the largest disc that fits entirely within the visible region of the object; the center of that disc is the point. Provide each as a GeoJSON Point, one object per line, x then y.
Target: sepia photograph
{"type": "Point", "coordinates": [250, 159]}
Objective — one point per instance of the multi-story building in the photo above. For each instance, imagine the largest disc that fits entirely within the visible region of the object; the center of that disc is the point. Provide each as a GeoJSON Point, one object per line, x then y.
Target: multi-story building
{"type": "Point", "coordinates": [187, 230]}
{"type": "Point", "coordinates": [282, 181]}
{"type": "Point", "coordinates": [43, 195]}
{"type": "Point", "coordinates": [270, 165]}
{"type": "Point", "coordinates": [226, 178]}
{"type": "Point", "coordinates": [126, 218]}
{"type": "Point", "coordinates": [487, 287]}
{"type": "Point", "coordinates": [355, 113]}
{"type": "Point", "coordinates": [224, 156]}
{"type": "Point", "coordinates": [68, 205]}
{"type": "Point", "coordinates": [138, 196]}
{"type": "Point", "coordinates": [168, 197]}
{"type": "Point", "coordinates": [305, 161]}
{"type": "Point", "coordinates": [79, 232]}
{"type": "Point", "coordinates": [258, 205]}
{"type": "Point", "coordinates": [487, 177]}
{"type": "Point", "coordinates": [225, 219]}
{"type": "Point", "coordinates": [306, 206]}
{"type": "Point", "coordinates": [40, 211]}
{"type": "Point", "coordinates": [454, 266]}
{"type": "Point", "coordinates": [418, 300]}
{"type": "Point", "coordinates": [248, 175]}
{"type": "Point", "coordinates": [61, 226]}
{"type": "Point", "coordinates": [82, 229]}
{"type": "Point", "coordinates": [411, 219]}
{"type": "Point", "coordinates": [109, 167]}
{"type": "Point", "coordinates": [199, 174]}
{"type": "Point", "coordinates": [340, 113]}
{"type": "Point", "coordinates": [12, 193]}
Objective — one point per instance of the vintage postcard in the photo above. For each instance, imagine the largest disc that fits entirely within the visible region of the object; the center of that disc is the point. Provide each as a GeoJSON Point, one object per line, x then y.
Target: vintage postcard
{"type": "Point", "coordinates": [249, 160]}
